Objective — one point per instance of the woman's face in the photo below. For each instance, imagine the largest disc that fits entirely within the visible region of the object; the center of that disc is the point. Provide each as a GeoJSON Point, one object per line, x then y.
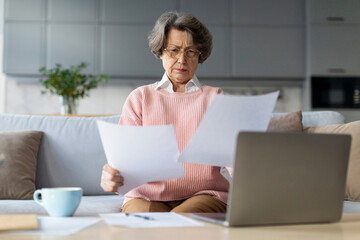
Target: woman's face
{"type": "Point", "coordinates": [179, 69]}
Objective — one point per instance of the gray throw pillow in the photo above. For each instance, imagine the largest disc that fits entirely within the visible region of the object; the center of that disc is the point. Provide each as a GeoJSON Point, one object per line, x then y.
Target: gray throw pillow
{"type": "Point", "coordinates": [291, 122]}
{"type": "Point", "coordinates": [18, 151]}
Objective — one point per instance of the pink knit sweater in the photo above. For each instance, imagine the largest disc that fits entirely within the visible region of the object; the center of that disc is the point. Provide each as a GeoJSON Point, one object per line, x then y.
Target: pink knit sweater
{"type": "Point", "coordinates": [149, 106]}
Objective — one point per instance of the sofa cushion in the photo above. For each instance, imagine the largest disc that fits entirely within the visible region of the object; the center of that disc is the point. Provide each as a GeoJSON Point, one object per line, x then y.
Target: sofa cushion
{"type": "Point", "coordinates": [318, 118]}
{"type": "Point", "coordinates": [322, 118]}
{"type": "Point", "coordinates": [19, 152]}
{"type": "Point", "coordinates": [70, 153]}
{"type": "Point", "coordinates": [291, 122]}
{"type": "Point", "coordinates": [353, 177]}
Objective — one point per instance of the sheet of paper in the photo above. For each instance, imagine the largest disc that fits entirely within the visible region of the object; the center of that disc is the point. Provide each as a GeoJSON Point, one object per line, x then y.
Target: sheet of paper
{"type": "Point", "coordinates": [60, 225]}
{"type": "Point", "coordinates": [135, 152]}
{"type": "Point", "coordinates": [214, 140]}
{"type": "Point", "coordinates": [156, 220]}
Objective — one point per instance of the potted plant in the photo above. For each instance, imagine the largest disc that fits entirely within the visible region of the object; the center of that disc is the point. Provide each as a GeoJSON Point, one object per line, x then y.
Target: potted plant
{"type": "Point", "coordinates": [70, 84]}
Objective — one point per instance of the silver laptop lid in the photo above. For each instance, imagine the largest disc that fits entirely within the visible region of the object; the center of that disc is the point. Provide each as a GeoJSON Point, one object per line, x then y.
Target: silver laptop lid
{"type": "Point", "coordinates": [284, 178]}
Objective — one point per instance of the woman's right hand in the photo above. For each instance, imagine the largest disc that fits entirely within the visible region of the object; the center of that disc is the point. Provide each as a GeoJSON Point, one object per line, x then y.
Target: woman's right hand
{"type": "Point", "coordinates": [111, 179]}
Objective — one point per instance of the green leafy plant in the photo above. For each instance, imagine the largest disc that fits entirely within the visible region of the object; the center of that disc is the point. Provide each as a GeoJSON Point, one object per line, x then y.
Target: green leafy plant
{"type": "Point", "coordinates": [70, 83]}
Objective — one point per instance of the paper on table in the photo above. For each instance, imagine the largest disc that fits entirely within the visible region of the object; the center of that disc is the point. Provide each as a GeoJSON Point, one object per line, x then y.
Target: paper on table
{"type": "Point", "coordinates": [135, 152]}
{"type": "Point", "coordinates": [159, 220]}
{"type": "Point", "coordinates": [60, 225]}
{"type": "Point", "coordinates": [214, 140]}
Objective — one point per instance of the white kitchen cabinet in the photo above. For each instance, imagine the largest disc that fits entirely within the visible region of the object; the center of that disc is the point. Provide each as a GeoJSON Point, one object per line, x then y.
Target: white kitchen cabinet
{"type": "Point", "coordinates": [25, 10]}
{"type": "Point", "coordinates": [268, 38]}
{"type": "Point", "coordinates": [334, 37]}
{"type": "Point", "coordinates": [268, 12]}
{"type": "Point", "coordinates": [268, 52]}
{"type": "Point", "coordinates": [71, 45]}
{"type": "Point", "coordinates": [335, 50]}
{"type": "Point", "coordinates": [251, 38]}
{"type": "Point", "coordinates": [70, 10]}
{"type": "Point", "coordinates": [24, 52]}
{"type": "Point", "coordinates": [125, 52]}
{"type": "Point", "coordinates": [335, 11]}
{"type": "Point", "coordinates": [134, 11]}
{"type": "Point", "coordinates": [210, 12]}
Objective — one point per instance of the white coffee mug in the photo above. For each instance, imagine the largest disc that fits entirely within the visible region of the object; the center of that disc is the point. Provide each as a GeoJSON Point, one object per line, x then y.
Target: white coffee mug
{"type": "Point", "coordinates": [59, 202]}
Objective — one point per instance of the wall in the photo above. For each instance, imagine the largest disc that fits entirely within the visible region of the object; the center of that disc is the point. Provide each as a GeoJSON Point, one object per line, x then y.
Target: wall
{"type": "Point", "coordinates": [2, 76]}
{"type": "Point", "coordinates": [26, 98]}
{"type": "Point", "coordinates": [270, 64]}
{"type": "Point", "coordinates": [110, 98]}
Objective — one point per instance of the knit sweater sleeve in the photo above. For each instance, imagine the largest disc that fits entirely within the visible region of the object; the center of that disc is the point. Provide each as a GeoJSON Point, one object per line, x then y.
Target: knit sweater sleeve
{"type": "Point", "coordinates": [132, 109]}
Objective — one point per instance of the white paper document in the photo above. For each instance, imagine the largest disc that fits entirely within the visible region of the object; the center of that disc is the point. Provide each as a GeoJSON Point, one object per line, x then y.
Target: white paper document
{"type": "Point", "coordinates": [149, 220]}
{"type": "Point", "coordinates": [60, 225]}
{"type": "Point", "coordinates": [214, 140]}
{"type": "Point", "coordinates": [135, 152]}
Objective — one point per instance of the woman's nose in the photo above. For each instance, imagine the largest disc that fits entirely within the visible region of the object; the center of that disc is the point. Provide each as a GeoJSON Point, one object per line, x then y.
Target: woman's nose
{"type": "Point", "coordinates": [182, 58]}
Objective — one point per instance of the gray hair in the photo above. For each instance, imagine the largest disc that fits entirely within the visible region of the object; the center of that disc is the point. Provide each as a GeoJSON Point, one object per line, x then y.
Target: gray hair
{"type": "Point", "coordinates": [184, 22]}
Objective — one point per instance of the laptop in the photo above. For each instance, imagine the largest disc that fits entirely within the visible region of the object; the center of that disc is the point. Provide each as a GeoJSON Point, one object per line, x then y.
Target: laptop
{"type": "Point", "coordinates": [286, 178]}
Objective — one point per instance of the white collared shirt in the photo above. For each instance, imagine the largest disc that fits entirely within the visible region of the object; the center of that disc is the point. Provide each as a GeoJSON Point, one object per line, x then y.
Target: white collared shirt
{"type": "Point", "coordinates": [191, 86]}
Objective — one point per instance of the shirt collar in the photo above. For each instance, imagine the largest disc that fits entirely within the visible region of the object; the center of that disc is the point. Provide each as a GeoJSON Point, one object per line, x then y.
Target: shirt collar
{"type": "Point", "coordinates": [191, 86]}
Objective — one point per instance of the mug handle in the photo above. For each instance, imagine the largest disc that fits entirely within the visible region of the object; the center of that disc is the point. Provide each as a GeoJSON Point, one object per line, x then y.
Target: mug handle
{"type": "Point", "coordinates": [36, 195]}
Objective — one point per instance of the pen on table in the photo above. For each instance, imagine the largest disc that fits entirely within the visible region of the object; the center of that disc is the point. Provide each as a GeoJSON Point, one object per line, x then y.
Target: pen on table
{"type": "Point", "coordinates": [139, 216]}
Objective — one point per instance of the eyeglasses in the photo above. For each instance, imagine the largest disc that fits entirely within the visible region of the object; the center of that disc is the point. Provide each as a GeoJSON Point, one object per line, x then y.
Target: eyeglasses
{"type": "Point", "coordinates": [175, 52]}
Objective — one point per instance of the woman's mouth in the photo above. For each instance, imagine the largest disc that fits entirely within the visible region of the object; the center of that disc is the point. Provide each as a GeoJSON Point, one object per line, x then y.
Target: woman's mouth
{"type": "Point", "coordinates": [181, 70]}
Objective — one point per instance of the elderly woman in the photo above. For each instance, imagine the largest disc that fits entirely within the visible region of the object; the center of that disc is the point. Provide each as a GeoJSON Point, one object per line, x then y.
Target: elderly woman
{"type": "Point", "coordinates": [182, 42]}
